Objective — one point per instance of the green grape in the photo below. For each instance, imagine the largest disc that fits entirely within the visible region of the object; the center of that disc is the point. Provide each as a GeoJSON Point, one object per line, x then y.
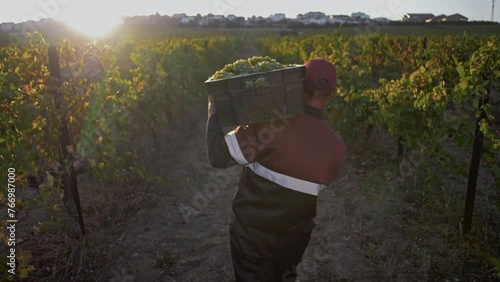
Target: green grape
{"type": "Point", "coordinates": [261, 82]}
{"type": "Point", "coordinates": [251, 65]}
{"type": "Point", "coordinates": [242, 67]}
{"type": "Point", "coordinates": [258, 83]}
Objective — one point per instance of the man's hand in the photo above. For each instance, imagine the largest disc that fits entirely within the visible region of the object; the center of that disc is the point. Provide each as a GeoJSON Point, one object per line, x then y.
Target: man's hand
{"type": "Point", "coordinates": [211, 105]}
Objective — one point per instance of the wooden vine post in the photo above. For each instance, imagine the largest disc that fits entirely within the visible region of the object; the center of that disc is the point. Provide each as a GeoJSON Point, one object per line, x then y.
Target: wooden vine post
{"type": "Point", "coordinates": [68, 176]}
{"type": "Point", "coordinates": [474, 166]}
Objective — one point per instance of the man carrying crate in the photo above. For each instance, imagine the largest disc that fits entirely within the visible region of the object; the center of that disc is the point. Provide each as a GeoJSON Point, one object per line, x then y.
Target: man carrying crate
{"type": "Point", "coordinates": [286, 164]}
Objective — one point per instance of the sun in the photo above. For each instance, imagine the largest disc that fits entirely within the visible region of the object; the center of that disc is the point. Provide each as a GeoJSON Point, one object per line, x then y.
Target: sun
{"type": "Point", "coordinates": [93, 26]}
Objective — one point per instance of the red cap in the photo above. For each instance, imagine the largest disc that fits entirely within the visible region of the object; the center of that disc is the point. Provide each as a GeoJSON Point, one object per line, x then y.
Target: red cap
{"type": "Point", "coordinates": [319, 69]}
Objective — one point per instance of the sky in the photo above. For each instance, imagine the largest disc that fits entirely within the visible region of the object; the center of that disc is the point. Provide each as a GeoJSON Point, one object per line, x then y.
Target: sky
{"type": "Point", "coordinates": [106, 13]}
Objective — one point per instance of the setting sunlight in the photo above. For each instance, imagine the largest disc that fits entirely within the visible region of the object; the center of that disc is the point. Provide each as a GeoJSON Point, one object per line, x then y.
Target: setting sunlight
{"type": "Point", "coordinates": [93, 18]}
{"type": "Point", "coordinates": [93, 27]}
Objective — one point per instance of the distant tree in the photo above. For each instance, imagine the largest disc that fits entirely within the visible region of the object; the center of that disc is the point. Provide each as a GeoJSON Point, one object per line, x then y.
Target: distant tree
{"type": "Point", "coordinates": [241, 21]}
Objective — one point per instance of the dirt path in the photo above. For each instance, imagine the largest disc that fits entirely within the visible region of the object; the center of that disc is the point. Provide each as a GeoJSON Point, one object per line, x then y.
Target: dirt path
{"type": "Point", "coordinates": [250, 48]}
{"type": "Point", "coordinates": [182, 234]}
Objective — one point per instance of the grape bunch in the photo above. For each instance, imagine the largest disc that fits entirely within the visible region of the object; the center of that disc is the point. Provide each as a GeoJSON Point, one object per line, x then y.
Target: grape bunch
{"type": "Point", "coordinates": [251, 65]}
{"type": "Point", "coordinates": [258, 83]}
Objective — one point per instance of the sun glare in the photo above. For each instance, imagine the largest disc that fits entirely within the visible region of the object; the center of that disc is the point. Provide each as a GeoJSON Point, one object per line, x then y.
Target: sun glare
{"type": "Point", "coordinates": [93, 27]}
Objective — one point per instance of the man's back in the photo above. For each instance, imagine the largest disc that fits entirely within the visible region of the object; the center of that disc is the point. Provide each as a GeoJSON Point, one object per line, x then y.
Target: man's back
{"type": "Point", "coordinates": [286, 163]}
{"type": "Point", "coordinates": [289, 162]}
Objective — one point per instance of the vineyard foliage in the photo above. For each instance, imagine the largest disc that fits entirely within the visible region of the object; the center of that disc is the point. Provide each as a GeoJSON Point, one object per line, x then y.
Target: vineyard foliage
{"type": "Point", "coordinates": [111, 94]}
{"type": "Point", "coordinates": [423, 91]}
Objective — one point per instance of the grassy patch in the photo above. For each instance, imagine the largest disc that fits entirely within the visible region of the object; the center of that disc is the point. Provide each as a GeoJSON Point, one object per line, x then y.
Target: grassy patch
{"type": "Point", "coordinates": [434, 225]}
{"type": "Point", "coordinates": [50, 246]}
{"type": "Point", "coordinates": [427, 216]}
{"type": "Point", "coordinates": [432, 216]}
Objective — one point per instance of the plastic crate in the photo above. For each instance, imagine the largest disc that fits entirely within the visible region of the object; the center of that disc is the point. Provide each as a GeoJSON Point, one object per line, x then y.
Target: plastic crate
{"type": "Point", "coordinates": [236, 105]}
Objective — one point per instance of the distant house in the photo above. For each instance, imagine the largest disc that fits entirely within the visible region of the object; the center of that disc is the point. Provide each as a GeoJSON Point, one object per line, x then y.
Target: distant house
{"type": "Point", "coordinates": [187, 20]}
{"type": "Point", "coordinates": [28, 26]}
{"type": "Point", "coordinates": [436, 19]}
{"type": "Point", "coordinates": [179, 16]}
{"type": "Point", "coordinates": [381, 20]}
{"type": "Point", "coordinates": [231, 18]}
{"type": "Point", "coordinates": [416, 18]}
{"type": "Point", "coordinates": [278, 17]}
{"type": "Point", "coordinates": [360, 17]}
{"type": "Point", "coordinates": [313, 18]}
{"type": "Point", "coordinates": [450, 18]}
{"type": "Point", "coordinates": [455, 18]}
{"type": "Point", "coordinates": [211, 19]}
{"type": "Point", "coordinates": [334, 19]}
{"type": "Point", "coordinates": [217, 18]}
{"type": "Point", "coordinates": [257, 21]}
{"type": "Point", "coordinates": [7, 27]}
{"type": "Point", "coordinates": [312, 15]}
